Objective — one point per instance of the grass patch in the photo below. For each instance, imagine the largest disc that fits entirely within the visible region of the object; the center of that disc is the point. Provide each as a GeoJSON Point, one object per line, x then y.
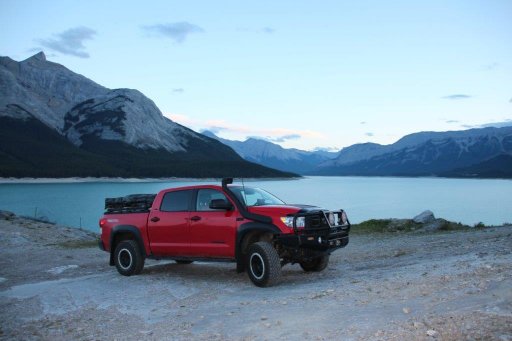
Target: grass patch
{"type": "Point", "coordinates": [408, 225]}
{"type": "Point", "coordinates": [78, 244]}
{"type": "Point", "coordinates": [385, 226]}
{"type": "Point", "coordinates": [451, 226]}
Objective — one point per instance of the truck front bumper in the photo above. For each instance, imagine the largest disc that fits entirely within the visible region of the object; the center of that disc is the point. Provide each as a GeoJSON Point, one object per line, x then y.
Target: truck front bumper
{"type": "Point", "coordinates": [321, 242]}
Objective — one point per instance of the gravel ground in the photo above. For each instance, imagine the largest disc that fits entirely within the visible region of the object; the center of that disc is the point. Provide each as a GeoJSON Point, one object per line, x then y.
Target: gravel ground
{"type": "Point", "coordinates": [445, 286]}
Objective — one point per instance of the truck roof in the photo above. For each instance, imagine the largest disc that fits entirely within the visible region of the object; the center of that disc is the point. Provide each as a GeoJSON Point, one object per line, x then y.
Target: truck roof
{"type": "Point", "coordinates": [192, 187]}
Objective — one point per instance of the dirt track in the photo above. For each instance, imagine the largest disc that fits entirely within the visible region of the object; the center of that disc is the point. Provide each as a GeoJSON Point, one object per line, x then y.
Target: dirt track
{"type": "Point", "coordinates": [448, 286]}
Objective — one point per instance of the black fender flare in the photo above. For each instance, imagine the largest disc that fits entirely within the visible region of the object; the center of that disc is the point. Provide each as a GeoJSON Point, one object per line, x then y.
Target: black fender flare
{"type": "Point", "coordinates": [123, 229]}
{"type": "Point", "coordinates": [242, 231]}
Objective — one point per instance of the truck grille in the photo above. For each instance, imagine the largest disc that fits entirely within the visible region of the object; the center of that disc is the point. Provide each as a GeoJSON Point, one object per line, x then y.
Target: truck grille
{"type": "Point", "coordinates": [316, 221]}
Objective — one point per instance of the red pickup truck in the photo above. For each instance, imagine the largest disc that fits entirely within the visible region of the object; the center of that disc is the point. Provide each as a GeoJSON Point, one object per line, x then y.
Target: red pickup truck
{"type": "Point", "coordinates": [231, 223]}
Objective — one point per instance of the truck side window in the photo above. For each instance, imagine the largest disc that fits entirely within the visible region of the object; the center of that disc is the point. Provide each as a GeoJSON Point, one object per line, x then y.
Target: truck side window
{"type": "Point", "coordinates": [205, 196]}
{"type": "Point", "coordinates": [177, 201]}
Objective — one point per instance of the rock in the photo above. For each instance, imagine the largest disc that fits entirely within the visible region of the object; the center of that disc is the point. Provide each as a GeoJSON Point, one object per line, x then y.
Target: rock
{"type": "Point", "coordinates": [417, 325]}
{"type": "Point", "coordinates": [433, 225]}
{"type": "Point", "coordinates": [6, 215]}
{"type": "Point", "coordinates": [424, 217]}
{"type": "Point", "coordinates": [431, 333]}
{"type": "Point", "coordinates": [406, 310]}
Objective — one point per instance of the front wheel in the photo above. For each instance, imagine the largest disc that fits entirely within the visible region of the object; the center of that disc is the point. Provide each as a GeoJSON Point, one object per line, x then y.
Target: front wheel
{"type": "Point", "coordinates": [316, 264]}
{"type": "Point", "coordinates": [128, 258]}
{"type": "Point", "coordinates": [263, 264]}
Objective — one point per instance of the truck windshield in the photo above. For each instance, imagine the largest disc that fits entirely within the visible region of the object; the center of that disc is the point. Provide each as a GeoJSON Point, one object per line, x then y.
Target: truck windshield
{"type": "Point", "coordinates": [255, 196]}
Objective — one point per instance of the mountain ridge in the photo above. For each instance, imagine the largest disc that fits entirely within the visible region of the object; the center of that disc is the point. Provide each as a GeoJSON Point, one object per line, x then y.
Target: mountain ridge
{"type": "Point", "coordinates": [121, 127]}
{"type": "Point", "coordinates": [422, 154]}
{"type": "Point", "coordinates": [275, 156]}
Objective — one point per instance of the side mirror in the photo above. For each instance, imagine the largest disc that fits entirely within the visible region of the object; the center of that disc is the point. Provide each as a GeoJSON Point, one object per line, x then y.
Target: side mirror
{"type": "Point", "coordinates": [220, 204]}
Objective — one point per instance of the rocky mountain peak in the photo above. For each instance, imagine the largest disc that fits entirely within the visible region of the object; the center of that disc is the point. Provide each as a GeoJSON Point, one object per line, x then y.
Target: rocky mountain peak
{"type": "Point", "coordinates": [40, 56]}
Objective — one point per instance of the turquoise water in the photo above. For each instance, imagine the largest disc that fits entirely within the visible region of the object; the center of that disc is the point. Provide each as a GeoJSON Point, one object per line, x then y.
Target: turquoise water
{"type": "Point", "coordinates": [466, 200]}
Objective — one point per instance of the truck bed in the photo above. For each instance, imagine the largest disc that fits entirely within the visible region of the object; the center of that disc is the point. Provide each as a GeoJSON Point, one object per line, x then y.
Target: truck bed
{"type": "Point", "coordinates": [133, 203]}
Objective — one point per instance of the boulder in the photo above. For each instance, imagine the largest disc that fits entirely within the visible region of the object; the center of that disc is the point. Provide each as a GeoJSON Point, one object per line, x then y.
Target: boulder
{"type": "Point", "coordinates": [424, 217]}
{"type": "Point", "coordinates": [435, 225]}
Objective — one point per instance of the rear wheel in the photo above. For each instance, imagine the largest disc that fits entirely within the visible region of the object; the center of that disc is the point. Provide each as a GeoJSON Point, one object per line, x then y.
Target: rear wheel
{"type": "Point", "coordinates": [128, 258]}
{"type": "Point", "coordinates": [316, 264]}
{"type": "Point", "coordinates": [263, 264]}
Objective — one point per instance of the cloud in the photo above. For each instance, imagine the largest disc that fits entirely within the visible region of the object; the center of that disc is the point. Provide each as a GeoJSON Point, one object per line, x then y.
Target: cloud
{"type": "Point", "coordinates": [505, 123]}
{"type": "Point", "coordinates": [326, 149]}
{"type": "Point", "coordinates": [178, 90]}
{"type": "Point", "coordinates": [216, 130]}
{"type": "Point", "coordinates": [285, 138]}
{"type": "Point", "coordinates": [265, 30]}
{"type": "Point", "coordinates": [177, 31]}
{"type": "Point", "coordinates": [452, 121]}
{"type": "Point", "coordinates": [278, 139]}
{"type": "Point", "coordinates": [510, 100]}
{"type": "Point", "coordinates": [258, 138]}
{"type": "Point", "coordinates": [369, 134]}
{"type": "Point", "coordinates": [362, 122]}
{"type": "Point", "coordinates": [491, 66]}
{"type": "Point", "coordinates": [269, 134]}
{"type": "Point", "coordinates": [70, 42]}
{"type": "Point", "coordinates": [457, 96]}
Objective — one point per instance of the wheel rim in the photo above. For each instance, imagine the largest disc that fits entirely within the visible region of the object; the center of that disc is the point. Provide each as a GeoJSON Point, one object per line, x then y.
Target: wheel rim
{"type": "Point", "coordinates": [124, 259]}
{"type": "Point", "coordinates": [257, 266]}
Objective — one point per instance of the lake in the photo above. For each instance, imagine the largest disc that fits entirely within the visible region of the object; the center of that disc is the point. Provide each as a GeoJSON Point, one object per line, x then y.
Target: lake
{"type": "Point", "coordinates": [80, 204]}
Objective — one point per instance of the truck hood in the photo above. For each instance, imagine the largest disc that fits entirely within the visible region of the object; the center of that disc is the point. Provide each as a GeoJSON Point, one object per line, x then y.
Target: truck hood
{"type": "Point", "coordinates": [282, 210]}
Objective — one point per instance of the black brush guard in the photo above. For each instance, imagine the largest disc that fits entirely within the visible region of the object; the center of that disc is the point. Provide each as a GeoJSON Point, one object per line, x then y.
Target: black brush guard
{"type": "Point", "coordinates": [323, 233]}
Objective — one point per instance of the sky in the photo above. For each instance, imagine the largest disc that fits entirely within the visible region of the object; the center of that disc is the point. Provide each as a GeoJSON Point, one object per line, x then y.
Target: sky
{"type": "Point", "coordinates": [304, 74]}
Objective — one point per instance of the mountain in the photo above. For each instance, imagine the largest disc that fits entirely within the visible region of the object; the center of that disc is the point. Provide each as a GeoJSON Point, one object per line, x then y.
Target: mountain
{"type": "Point", "coordinates": [273, 155]}
{"type": "Point", "coordinates": [422, 154]}
{"type": "Point", "coordinates": [56, 123]}
{"type": "Point", "coordinates": [496, 167]}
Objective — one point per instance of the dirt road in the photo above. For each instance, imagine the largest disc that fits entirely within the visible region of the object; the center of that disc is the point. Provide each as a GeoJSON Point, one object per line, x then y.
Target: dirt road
{"type": "Point", "coordinates": [447, 286]}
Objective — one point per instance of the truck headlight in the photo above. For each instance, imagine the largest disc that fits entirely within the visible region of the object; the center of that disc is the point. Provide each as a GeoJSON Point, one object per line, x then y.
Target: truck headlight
{"type": "Point", "coordinates": [344, 218]}
{"type": "Point", "coordinates": [288, 221]}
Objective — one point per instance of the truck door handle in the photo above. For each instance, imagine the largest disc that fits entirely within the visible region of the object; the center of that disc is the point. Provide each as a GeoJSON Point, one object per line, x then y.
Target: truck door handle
{"type": "Point", "coordinates": [195, 218]}
{"type": "Point", "coordinates": [155, 219]}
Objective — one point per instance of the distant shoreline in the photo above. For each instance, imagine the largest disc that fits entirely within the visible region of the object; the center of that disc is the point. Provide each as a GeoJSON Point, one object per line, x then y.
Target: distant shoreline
{"type": "Point", "coordinates": [172, 179]}
{"type": "Point", "coordinates": [104, 179]}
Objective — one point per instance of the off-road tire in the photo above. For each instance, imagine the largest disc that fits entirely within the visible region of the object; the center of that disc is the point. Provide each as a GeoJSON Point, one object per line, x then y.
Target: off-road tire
{"type": "Point", "coordinates": [128, 258]}
{"type": "Point", "coordinates": [184, 262]}
{"type": "Point", "coordinates": [316, 264]}
{"type": "Point", "coordinates": [263, 264]}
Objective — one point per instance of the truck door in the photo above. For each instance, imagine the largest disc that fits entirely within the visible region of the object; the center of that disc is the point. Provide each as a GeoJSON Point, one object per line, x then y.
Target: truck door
{"type": "Point", "coordinates": [212, 232]}
{"type": "Point", "coordinates": [168, 226]}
